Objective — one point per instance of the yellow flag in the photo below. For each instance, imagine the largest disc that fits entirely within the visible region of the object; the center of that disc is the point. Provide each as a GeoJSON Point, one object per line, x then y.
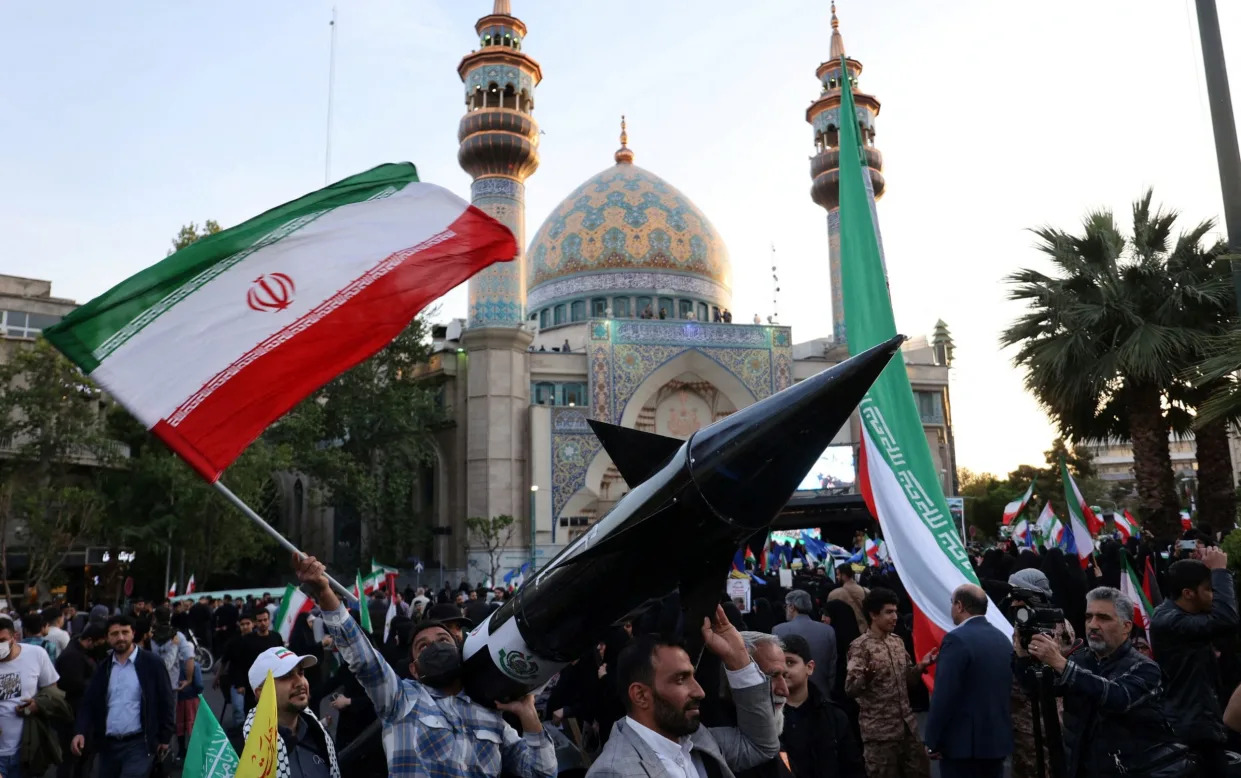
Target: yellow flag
{"type": "Point", "coordinates": [258, 758]}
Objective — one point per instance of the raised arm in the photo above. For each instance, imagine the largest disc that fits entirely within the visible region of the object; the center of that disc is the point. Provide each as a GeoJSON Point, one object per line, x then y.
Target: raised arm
{"type": "Point", "coordinates": [756, 738]}
{"type": "Point", "coordinates": [378, 679]}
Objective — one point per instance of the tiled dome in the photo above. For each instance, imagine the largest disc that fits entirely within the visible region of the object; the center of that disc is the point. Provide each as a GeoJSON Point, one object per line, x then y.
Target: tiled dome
{"type": "Point", "coordinates": [627, 229]}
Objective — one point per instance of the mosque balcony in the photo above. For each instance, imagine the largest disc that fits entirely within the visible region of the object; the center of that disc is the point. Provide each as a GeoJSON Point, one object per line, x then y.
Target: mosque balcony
{"type": "Point", "coordinates": [498, 142]}
{"type": "Point", "coordinates": [829, 159]}
{"type": "Point", "coordinates": [825, 190]}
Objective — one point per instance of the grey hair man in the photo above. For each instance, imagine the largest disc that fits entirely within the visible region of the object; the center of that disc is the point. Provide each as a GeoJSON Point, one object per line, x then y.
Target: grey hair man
{"type": "Point", "coordinates": [767, 651]}
{"type": "Point", "coordinates": [799, 612]}
{"type": "Point", "coordinates": [1113, 696]}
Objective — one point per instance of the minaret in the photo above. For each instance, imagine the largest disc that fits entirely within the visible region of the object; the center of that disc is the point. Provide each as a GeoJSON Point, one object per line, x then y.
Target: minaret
{"type": "Point", "coordinates": [824, 116]}
{"type": "Point", "coordinates": [499, 148]}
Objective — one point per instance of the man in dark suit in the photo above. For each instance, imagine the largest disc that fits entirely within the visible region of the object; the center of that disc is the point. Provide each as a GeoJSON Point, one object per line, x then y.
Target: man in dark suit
{"type": "Point", "coordinates": [128, 710]}
{"type": "Point", "coordinates": [798, 608]}
{"type": "Point", "coordinates": [968, 726]}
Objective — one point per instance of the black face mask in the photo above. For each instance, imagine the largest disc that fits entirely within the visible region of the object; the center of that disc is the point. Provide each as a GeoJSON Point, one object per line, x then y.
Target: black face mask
{"type": "Point", "coordinates": [439, 664]}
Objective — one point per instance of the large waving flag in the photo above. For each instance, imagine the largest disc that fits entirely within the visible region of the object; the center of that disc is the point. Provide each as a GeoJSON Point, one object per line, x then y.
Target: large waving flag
{"type": "Point", "coordinates": [1014, 508]}
{"type": "Point", "coordinates": [898, 478]}
{"type": "Point", "coordinates": [1082, 520]}
{"type": "Point", "coordinates": [211, 345]}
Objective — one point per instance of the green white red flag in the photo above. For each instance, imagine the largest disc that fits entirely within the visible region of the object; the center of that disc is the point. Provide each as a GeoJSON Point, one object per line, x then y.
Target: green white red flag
{"type": "Point", "coordinates": [1083, 524]}
{"type": "Point", "coordinates": [293, 604]}
{"type": "Point", "coordinates": [1016, 507]}
{"type": "Point", "coordinates": [211, 345]}
{"type": "Point", "coordinates": [898, 478]}
{"type": "Point", "coordinates": [1131, 587]}
{"type": "Point", "coordinates": [1126, 525]}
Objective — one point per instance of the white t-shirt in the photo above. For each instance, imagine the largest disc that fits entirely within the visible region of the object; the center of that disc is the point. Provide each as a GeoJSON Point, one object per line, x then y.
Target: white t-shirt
{"type": "Point", "coordinates": [20, 678]}
{"type": "Point", "coordinates": [59, 637]}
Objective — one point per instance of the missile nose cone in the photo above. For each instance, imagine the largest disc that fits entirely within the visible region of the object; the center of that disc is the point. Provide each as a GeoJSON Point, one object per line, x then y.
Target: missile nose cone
{"type": "Point", "coordinates": [748, 464]}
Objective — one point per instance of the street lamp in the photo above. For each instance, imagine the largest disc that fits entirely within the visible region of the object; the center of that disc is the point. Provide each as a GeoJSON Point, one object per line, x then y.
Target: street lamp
{"type": "Point", "coordinates": [534, 491]}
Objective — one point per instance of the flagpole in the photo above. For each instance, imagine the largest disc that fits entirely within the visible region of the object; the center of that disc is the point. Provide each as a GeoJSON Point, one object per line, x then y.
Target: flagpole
{"type": "Point", "coordinates": [270, 530]}
{"type": "Point", "coordinates": [331, 87]}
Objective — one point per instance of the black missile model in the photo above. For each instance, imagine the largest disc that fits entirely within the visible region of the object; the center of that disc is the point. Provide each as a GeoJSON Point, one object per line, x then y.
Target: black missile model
{"type": "Point", "coordinates": [694, 500]}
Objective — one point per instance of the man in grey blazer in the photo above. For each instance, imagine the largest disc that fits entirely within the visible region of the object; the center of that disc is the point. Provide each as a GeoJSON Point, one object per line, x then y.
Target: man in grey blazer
{"type": "Point", "coordinates": [798, 608]}
{"type": "Point", "coordinates": [660, 736]}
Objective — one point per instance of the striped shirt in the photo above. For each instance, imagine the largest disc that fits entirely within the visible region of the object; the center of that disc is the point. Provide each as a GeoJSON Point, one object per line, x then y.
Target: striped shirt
{"type": "Point", "coordinates": [430, 733]}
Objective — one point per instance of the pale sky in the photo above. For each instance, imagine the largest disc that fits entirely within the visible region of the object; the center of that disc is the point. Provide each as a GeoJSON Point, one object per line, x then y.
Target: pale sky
{"type": "Point", "coordinates": [123, 121]}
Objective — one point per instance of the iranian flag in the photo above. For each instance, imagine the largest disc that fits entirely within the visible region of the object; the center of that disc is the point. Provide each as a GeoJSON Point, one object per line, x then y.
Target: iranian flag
{"type": "Point", "coordinates": [191, 587]}
{"type": "Point", "coordinates": [1083, 523]}
{"type": "Point", "coordinates": [293, 604]}
{"type": "Point", "coordinates": [1125, 525]}
{"type": "Point", "coordinates": [1131, 587]}
{"type": "Point", "coordinates": [1014, 508]}
{"type": "Point", "coordinates": [898, 478]}
{"type": "Point", "coordinates": [211, 345]}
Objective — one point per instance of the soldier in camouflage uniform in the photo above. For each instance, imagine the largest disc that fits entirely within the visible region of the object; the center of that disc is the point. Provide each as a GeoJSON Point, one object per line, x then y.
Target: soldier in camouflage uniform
{"type": "Point", "coordinates": [878, 674]}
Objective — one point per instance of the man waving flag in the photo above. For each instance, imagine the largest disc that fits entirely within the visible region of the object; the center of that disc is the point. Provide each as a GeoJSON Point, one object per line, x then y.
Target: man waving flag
{"type": "Point", "coordinates": [899, 480]}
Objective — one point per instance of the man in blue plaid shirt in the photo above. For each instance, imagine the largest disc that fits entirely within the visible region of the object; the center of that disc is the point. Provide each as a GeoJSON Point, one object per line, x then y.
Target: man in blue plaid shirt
{"type": "Point", "coordinates": [430, 726]}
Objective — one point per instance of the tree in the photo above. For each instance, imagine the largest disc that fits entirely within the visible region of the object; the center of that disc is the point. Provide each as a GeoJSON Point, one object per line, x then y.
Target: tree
{"type": "Point", "coordinates": [52, 422]}
{"type": "Point", "coordinates": [366, 436]}
{"type": "Point", "coordinates": [491, 536]}
{"type": "Point", "coordinates": [1106, 340]}
{"type": "Point", "coordinates": [985, 497]}
{"type": "Point", "coordinates": [189, 233]}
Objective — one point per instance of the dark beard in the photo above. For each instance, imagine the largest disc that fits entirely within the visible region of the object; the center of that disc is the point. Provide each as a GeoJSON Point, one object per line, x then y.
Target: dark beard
{"type": "Point", "coordinates": [672, 720]}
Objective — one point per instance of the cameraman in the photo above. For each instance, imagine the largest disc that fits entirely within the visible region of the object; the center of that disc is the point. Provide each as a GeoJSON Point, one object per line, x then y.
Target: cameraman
{"type": "Point", "coordinates": [1113, 716]}
{"type": "Point", "coordinates": [1031, 589]}
{"type": "Point", "coordinates": [1201, 608]}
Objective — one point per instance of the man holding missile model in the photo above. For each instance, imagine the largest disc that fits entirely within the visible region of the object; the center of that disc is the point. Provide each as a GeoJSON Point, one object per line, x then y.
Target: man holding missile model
{"type": "Point", "coordinates": [430, 726]}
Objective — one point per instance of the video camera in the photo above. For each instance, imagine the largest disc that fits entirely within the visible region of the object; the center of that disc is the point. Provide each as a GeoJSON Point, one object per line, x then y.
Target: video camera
{"type": "Point", "coordinates": [1032, 613]}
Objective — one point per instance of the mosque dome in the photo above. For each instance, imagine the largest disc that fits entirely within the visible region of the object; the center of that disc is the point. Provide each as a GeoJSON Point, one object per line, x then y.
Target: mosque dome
{"type": "Point", "coordinates": [623, 239]}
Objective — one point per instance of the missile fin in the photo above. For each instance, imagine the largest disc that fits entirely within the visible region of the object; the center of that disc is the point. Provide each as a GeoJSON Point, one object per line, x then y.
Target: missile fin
{"type": "Point", "coordinates": [637, 455]}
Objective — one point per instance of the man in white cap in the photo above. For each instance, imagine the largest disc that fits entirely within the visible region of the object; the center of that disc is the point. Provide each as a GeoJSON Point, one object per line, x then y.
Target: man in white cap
{"type": "Point", "coordinates": [305, 749]}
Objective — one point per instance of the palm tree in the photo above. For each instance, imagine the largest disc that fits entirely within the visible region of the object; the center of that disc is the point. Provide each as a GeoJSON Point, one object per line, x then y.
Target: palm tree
{"type": "Point", "coordinates": [1106, 339]}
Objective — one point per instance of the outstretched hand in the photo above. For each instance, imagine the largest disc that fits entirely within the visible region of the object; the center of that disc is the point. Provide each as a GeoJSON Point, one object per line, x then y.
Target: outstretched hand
{"type": "Point", "coordinates": [722, 639]}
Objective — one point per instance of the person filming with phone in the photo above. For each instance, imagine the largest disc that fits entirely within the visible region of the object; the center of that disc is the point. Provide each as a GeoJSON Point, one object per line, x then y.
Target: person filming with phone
{"type": "Point", "coordinates": [1202, 608]}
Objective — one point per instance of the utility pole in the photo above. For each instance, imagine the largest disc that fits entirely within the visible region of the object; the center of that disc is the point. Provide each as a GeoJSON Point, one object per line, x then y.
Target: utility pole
{"type": "Point", "coordinates": [1224, 125]}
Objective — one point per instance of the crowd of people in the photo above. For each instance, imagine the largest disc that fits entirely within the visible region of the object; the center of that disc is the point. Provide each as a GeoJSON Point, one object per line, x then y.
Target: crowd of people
{"type": "Point", "coordinates": [816, 681]}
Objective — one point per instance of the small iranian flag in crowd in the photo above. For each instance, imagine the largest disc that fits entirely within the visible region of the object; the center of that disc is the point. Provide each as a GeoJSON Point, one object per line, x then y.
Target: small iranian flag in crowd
{"type": "Point", "coordinates": [1083, 524]}
{"type": "Point", "coordinates": [898, 478]}
{"type": "Point", "coordinates": [1126, 525]}
{"type": "Point", "coordinates": [293, 604]}
{"type": "Point", "coordinates": [1014, 508]}
{"type": "Point", "coordinates": [1131, 587]}
{"type": "Point", "coordinates": [211, 345]}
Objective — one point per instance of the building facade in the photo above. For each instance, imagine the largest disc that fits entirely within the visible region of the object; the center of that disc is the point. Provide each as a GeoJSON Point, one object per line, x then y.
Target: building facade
{"type": "Point", "coordinates": [617, 310]}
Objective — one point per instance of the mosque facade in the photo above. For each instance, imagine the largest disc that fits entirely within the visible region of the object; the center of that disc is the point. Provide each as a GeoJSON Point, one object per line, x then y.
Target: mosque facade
{"type": "Point", "coordinates": [618, 309]}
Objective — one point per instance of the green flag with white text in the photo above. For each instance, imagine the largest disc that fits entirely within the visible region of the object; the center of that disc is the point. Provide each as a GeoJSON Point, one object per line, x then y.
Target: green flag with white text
{"type": "Point", "coordinates": [208, 754]}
